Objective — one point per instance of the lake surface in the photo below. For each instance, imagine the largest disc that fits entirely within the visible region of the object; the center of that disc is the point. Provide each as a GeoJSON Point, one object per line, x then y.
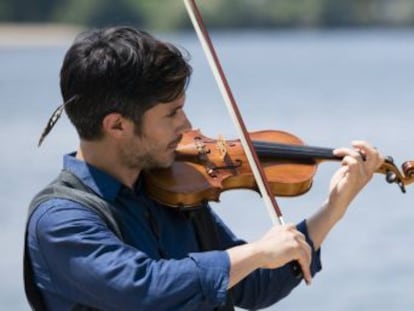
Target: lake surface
{"type": "Point", "coordinates": [328, 88]}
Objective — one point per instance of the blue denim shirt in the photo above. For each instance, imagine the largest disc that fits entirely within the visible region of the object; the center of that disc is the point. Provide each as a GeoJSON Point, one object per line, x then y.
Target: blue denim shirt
{"type": "Point", "coordinates": [159, 266]}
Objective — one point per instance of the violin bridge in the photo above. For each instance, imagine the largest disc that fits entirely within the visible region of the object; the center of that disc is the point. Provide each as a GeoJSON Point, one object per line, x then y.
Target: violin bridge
{"type": "Point", "coordinates": [221, 146]}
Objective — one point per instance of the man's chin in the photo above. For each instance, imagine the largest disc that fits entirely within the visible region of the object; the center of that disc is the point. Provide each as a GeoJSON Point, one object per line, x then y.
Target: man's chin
{"type": "Point", "coordinates": [164, 164]}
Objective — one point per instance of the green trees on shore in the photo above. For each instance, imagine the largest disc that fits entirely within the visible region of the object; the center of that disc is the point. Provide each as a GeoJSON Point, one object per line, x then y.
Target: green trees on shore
{"type": "Point", "coordinates": [170, 14]}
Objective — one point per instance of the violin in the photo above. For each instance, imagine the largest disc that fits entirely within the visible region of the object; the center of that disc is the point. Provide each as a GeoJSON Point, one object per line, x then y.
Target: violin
{"type": "Point", "coordinates": [205, 167]}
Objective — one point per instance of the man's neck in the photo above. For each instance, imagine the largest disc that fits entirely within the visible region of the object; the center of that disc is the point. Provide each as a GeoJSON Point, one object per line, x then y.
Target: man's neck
{"type": "Point", "coordinates": [106, 158]}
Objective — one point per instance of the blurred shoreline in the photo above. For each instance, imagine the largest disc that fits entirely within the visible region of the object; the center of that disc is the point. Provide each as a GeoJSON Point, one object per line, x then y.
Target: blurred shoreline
{"type": "Point", "coordinates": [16, 35]}
{"type": "Point", "coordinates": [21, 35]}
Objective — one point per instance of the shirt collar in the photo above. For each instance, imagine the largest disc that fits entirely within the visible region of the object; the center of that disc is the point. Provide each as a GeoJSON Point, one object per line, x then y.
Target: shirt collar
{"type": "Point", "coordinates": [100, 182]}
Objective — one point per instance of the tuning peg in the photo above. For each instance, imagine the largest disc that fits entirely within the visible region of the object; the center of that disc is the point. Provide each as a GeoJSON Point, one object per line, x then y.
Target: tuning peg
{"type": "Point", "coordinates": [392, 178]}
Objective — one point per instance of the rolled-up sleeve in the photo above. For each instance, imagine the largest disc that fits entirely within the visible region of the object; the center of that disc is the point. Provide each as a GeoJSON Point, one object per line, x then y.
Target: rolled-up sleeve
{"type": "Point", "coordinates": [213, 269]}
{"type": "Point", "coordinates": [316, 264]}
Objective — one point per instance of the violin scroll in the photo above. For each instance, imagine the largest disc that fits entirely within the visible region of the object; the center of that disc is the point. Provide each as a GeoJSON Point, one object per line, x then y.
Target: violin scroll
{"type": "Point", "coordinates": [394, 175]}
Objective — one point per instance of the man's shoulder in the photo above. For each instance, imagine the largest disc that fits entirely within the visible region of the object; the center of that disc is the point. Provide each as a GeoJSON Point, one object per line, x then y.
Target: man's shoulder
{"type": "Point", "coordinates": [62, 205]}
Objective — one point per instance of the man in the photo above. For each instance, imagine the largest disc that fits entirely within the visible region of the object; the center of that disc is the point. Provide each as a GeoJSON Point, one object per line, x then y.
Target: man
{"type": "Point", "coordinates": [124, 91]}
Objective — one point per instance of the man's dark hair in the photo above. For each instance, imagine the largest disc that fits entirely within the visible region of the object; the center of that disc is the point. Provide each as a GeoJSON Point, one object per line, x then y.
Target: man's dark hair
{"type": "Point", "coordinates": [119, 69]}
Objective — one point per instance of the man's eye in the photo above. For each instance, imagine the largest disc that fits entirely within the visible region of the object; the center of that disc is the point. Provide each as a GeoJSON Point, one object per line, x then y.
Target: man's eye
{"type": "Point", "coordinates": [172, 113]}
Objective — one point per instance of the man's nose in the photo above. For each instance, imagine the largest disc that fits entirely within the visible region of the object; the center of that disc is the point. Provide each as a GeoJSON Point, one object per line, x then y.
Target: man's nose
{"type": "Point", "coordinates": [186, 124]}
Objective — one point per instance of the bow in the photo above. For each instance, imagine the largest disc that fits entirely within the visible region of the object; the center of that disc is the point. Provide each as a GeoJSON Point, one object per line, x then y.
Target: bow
{"type": "Point", "coordinates": [272, 206]}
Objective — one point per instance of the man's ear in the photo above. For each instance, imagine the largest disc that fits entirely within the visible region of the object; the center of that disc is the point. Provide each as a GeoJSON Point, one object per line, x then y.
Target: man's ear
{"type": "Point", "coordinates": [113, 124]}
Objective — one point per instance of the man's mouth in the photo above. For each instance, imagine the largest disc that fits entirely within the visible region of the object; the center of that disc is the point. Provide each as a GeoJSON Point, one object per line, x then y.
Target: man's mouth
{"type": "Point", "coordinates": [174, 144]}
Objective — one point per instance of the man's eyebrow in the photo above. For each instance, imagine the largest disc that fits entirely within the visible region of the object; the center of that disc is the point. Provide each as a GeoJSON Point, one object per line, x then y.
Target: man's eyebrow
{"type": "Point", "coordinates": [178, 107]}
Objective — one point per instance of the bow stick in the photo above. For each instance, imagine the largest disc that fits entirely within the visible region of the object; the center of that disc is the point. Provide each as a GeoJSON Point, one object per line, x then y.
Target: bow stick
{"type": "Point", "coordinates": [258, 172]}
{"type": "Point", "coordinates": [255, 165]}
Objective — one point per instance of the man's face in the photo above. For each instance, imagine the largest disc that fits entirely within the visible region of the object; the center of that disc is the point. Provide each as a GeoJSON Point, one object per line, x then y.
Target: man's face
{"type": "Point", "coordinates": [162, 127]}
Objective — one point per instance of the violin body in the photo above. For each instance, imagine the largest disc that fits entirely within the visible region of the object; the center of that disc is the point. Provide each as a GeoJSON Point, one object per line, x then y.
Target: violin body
{"type": "Point", "coordinates": [206, 167]}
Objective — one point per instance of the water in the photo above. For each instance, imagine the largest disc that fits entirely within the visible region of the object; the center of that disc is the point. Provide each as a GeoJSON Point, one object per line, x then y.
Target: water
{"type": "Point", "coordinates": [326, 87]}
